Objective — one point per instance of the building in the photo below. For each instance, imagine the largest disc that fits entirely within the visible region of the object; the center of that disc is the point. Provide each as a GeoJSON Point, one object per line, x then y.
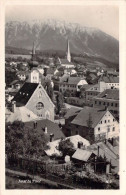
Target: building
{"type": "Point", "coordinates": [94, 90]}
{"type": "Point", "coordinates": [22, 75]}
{"type": "Point", "coordinates": [51, 129]}
{"type": "Point", "coordinates": [111, 81]}
{"type": "Point", "coordinates": [20, 114]}
{"type": "Point", "coordinates": [76, 140]}
{"type": "Point", "coordinates": [108, 99]}
{"type": "Point", "coordinates": [34, 98]}
{"type": "Point", "coordinates": [93, 124]}
{"type": "Point", "coordinates": [67, 62]}
{"type": "Point", "coordinates": [72, 84]}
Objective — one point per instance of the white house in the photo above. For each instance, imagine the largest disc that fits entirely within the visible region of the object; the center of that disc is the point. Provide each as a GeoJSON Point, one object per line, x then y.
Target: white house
{"type": "Point", "coordinates": [72, 84]}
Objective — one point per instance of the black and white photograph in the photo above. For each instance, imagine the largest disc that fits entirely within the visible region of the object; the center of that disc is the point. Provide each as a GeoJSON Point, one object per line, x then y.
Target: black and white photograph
{"type": "Point", "coordinates": [62, 97]}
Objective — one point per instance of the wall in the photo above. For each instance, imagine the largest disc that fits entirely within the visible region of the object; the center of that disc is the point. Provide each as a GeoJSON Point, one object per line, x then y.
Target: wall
{"type": "Point", "coordinates": [107, 122]}
{"type": "Point", "coordinates": [40, 95]}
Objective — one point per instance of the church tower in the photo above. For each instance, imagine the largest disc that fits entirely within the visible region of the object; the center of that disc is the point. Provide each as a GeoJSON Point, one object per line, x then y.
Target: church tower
{"type": "Point", "coordinates": [68, 52]}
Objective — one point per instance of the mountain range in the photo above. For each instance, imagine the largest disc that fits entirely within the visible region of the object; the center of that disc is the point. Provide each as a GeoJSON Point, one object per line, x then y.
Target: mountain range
{"type": "Point", "coordinates": [53, 35]}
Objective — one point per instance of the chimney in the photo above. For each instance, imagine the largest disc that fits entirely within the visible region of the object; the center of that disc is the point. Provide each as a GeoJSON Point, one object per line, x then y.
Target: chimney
{"type": "Point", "coordinates": [46, 130]}
{"type": "Point", "coordinates": [98, 150]}
{"type": "Point", "coordinates": [13, 106]}
{"type": "Point", "coordinates": [80, 145]}
{"type": "Point", "coordinates": [51, 137]}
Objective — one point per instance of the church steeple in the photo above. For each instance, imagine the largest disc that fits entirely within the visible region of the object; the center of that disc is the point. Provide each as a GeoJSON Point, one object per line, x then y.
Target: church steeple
{"type": "Point", "coordinates": [68, 52]}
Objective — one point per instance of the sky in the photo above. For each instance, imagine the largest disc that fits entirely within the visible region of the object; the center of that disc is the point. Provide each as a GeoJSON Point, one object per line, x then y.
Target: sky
{"type": "Point", "coordinates": [105, 18]}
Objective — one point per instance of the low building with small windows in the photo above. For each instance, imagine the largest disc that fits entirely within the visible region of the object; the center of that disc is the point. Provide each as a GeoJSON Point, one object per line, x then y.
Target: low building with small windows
{"type": "Point", "coordinates": [93, 124]}
{"type": "Point", "coordinates": [34, 97]}
{"type": "Point", "coordinates": [94, 90]}
{"type": "Point", "coordinates": [108, 99]}
{"type": "Point", "coordinates": [73, 84]}
{"type": "Point", "coordinates": [112, 82]}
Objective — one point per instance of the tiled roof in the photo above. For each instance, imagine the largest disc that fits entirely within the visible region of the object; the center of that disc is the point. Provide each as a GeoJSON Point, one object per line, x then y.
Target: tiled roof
{"type": "Point", "coordinates": [21, 114]}
{"type": "Point", "coordinates": [107, 152]}
{"type": "Point", "coordinates": [74, 139]}
{"type": "Point", "coordinates": [52, 128]}
{"type": "Point", "coordinates": [72, 112]}
{"type": "Point", "coordinates": [83, 116]}
{"type": "Point", "coordinates": [25, 93]}
{"type": "Point", "coordinates": [109, 94]}
{"type": "Point", "coordinates": [109, 79]}
{"type": "Point", "coordinates": [82, 155]}
{"type": "Point", "coordinates": [65, 61]}
{"type": "Point", "coordinates": [75, 80]}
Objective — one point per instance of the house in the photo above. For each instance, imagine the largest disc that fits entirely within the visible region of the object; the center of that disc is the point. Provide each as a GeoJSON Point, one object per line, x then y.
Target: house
{"type": "Point", "coordinates": [94, 124]}
{"type": "Point", "coordinates": [72, 84]}
{"type": "Point", "coordinates": [22, 75]}
{"type": "Point", "coordinates": [50, 128]}
{"type": "Point", "coordinates": [111, 81]}
{"type": "Point", "coordinates": [69, 116]}
{"type": "Point", "coordinates": [108, 98]}
{"type": "Point", "coordinates": [51, 72]}
{"type": "Point", "coordinates": [21, 114]}
{"type": "Point", "coordinates": [16, 84]}
{"type": "Point", "coordinates": [76, 140]}
{"type": "Point", "coordinates": [75, 101]}
{"type": "Point", "coordinates": [94, 90]}
{"type": "Point", "coordinates": [106, 150]}
{"type": "Point", "coordinates": [34, 98]}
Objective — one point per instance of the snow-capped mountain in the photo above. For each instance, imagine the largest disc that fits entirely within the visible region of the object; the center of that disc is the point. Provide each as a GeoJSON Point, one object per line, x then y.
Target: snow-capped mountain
{"type": "Point", "coordinates": [52, 35]}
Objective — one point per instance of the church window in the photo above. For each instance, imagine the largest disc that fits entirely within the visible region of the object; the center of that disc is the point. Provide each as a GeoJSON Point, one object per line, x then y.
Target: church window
{"type": "Point", "coordinates": [39, 105]}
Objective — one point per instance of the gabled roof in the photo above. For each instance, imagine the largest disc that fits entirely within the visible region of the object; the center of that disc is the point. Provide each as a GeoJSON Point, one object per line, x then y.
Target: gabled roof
{"type": "Point", "coordinates": [74, 80]}
{"type": "Point", "coordinates": [109, 79]}
{"type": "Point", "coordinates": [24, 94]}
{"type": "Point", "coordinates": [52, 128]}
{"type": "Point", "coordinates": [83, 116]}
{"type": "Point", "coordinates": [82, 155]}
{"type": "Point", "coordinates": [109, 94]}
{"type": "Point", "coordinates": [72, 112]}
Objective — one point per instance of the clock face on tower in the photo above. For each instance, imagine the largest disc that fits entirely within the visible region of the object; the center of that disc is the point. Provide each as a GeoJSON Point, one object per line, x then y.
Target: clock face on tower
{"type": "Point", "coordinates": [39, 105]}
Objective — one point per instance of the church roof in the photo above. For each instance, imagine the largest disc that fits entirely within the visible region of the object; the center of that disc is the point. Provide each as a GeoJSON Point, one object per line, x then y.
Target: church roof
{"type": "Point", "coordinates": [24, 94]}
{"type": "Point", "coordinates": [65, 61]}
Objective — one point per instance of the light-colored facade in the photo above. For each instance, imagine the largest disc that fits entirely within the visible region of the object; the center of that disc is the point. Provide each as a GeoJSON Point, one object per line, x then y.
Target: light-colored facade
{"type": "Point", "coordinates": [108, 127]}
{"type": "Point", "coordinates": [34, 76]}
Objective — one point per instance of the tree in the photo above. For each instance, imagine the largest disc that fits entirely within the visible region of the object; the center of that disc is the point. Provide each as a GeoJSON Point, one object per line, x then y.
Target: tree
{"type": "Point", "coordinates": [59, 102]}
{"type": "Point", "coordinates": [66, 147]}
{"type": "Point", "coordinates": [21, 140]}
{"type": "Point", "coordinates": [10, 76]}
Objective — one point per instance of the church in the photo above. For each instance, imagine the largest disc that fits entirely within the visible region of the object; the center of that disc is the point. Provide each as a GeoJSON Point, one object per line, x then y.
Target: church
{"type": "Point", "coordinates": [66, 62]}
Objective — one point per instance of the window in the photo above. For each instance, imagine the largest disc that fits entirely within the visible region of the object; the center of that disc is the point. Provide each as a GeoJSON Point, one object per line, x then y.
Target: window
{"type": "Point", "coordinates": [116, 105]}
{"type": "Point", "coordinates": [113, 128]}
{"type": "Point", "coordinates": [103, 103]}
{"type": "Point", "coordinates": [113, 120]}
{"type": "Point", "coordinates": [105, 121]}
{"type": "Point", "coordinates": [95, 102]}
{"type": "Point", "coordinates": [101, 122]}
{"type": "Point", "coordinates": [108, 129]}
{"type": "Point", "coordinates": [39, 105]}
{"type": "Point", "coordinates": [111, 104]}
{"type": "Point", "coordinates": [99, 103]}
{"type": "Point", "coordinates": [108, 121]}
{"type": "Point", "coordinates": [98, 128]}
{"type": "Point", "coordinates": [108, 104]}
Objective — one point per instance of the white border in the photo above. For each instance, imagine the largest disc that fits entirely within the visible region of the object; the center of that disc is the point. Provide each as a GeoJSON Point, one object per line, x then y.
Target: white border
{"type": "Point", "coordinates": [122, 54]}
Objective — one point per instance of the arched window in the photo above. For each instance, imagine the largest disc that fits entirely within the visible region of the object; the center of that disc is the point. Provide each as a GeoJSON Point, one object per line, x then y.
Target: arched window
{"type": "Point", "coordinates": [39, 105]}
